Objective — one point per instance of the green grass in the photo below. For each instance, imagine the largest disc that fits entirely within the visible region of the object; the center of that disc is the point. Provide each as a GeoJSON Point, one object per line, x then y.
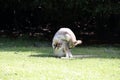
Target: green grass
{"type": "Point", "coordinates": [21, 60]}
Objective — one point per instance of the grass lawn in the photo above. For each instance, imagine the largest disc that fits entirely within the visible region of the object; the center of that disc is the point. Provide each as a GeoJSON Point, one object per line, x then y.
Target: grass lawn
{"type": "Point", "coordinates": [25, 60]}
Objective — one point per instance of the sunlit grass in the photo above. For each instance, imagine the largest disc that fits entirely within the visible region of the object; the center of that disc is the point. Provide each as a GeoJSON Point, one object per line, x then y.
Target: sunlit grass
{"type": "Point", "coordinates": [21, 60]}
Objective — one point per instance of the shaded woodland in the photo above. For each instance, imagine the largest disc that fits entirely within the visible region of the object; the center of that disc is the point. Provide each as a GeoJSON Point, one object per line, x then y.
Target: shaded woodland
{"type": "Point", "coordinates": [93, 21]}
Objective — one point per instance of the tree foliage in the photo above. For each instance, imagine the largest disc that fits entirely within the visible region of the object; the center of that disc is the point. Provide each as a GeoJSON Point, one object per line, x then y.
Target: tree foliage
{"type": "Point", "coordinates": [99, 18]}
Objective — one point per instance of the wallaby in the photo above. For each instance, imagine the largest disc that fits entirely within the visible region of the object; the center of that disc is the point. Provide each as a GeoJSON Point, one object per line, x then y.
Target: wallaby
{"type": "Point", "coordinates": [63, 40]}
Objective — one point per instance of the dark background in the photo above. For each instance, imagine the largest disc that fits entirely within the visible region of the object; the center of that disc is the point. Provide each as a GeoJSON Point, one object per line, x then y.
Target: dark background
{"type": "Point", "coordinates": [93, 21]}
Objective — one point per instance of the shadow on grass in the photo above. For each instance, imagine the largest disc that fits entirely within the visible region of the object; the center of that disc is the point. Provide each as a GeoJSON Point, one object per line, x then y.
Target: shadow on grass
{"type": "Point", "coordinates": [41, 55]}
{"type": "Point", "coordinates": [76, 56]}
{"type": "Point", "coordinates": [85, 56]}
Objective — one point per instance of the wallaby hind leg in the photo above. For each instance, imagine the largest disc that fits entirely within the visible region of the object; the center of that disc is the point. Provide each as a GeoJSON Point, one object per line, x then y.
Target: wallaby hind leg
{"type": "Point", "coordinates": [67, 52]}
